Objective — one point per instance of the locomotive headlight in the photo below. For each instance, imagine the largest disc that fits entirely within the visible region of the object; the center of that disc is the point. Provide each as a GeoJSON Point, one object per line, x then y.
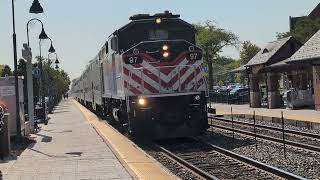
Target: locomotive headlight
{"type": "Point", "coordinates": [158, 20]}
{"type": "Point", "coordinates": [165, 54]}
{"type": "Point", "coordinates": [142, 101]}
{"type": "Point", "coordinates": [197, 97]}
{"type": "Point", "coordinates": [165, 47]}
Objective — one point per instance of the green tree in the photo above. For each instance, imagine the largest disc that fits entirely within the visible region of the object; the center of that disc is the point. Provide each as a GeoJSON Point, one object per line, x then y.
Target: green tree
{"type": "Point", "coordinates": [304, 30]}
{"type": "Point", "coordinates": [6, 71]}
{"type": "Point", "coordinates": [212, 40]}
{"type": "Point", "coordinates": [56, 82]}
{"type": "Point", "coordinates": [1, 68]}
{"type": "Point", "coordinates": [248, 51]}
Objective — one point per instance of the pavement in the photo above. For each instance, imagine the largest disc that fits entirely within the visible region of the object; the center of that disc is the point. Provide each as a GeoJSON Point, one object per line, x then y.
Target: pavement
{"type": "Point", "coordinates": [308, 115]}
{"type": "Point", "coordinates": [68, 148]}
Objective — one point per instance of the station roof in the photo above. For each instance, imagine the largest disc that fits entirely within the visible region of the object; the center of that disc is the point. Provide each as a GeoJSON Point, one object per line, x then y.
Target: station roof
{"type": "Point", "coordinates": [239, 69]}
{"type": "Point", "coordinates": [308, 52]}
{"type": "Point", "coordinates": [265, 54]}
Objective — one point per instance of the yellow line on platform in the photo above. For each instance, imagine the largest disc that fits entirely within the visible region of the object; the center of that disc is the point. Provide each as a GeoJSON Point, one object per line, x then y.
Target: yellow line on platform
{"type": "Point", "coordinates": [137, 162]}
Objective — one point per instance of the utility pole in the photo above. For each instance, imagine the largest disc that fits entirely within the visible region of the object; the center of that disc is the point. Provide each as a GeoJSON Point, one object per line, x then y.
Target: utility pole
{"type": "Point", "coordinates": [14, 38]}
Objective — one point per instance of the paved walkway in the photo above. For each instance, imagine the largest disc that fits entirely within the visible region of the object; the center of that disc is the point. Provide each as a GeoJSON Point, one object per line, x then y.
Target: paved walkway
{"type": "Point", "coordinates": [68, 148]}
{"type": "Point", "coordinates": [301, 115]}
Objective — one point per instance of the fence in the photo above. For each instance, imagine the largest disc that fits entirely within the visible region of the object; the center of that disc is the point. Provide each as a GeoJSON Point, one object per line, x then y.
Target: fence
{"type": "Point", "coordinates": [226, 98]}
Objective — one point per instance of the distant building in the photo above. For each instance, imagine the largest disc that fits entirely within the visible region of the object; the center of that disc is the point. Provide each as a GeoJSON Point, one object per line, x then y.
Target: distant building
{"type": "Point", "coordinates": [315, 14]}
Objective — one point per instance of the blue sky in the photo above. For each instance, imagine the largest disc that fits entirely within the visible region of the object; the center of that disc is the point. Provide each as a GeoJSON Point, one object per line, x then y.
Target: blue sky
{"type": "Point", "coordinates": [78, 28]}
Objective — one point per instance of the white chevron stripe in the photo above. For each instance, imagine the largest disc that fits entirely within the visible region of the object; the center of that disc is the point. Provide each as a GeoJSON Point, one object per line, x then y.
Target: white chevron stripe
{"type": "Point", "coordinates": [166, 78]}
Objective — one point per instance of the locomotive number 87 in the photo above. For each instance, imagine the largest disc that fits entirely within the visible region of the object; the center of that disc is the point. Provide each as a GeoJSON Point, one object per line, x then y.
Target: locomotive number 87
{"type": "Point", "coordinates": [149, 78]}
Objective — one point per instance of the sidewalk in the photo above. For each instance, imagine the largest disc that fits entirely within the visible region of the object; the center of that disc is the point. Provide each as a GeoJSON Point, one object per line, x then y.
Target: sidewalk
{"type": "Point", "coordinates": [68, 148]}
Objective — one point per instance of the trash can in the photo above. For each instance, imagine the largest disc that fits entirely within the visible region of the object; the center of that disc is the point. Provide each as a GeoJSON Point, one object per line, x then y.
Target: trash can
{"type": "Point", "coordinates": [5, 146]}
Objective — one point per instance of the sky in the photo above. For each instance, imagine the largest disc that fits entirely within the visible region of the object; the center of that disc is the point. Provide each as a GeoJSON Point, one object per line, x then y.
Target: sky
{"type": "Point", "coordinates": [79, 28]}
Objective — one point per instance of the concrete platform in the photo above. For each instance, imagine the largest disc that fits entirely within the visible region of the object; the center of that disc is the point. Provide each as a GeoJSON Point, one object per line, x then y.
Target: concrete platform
{"type": "Point", "coordinates": [303, 118]}
{"type": "Point", "coordinates": [139, 164]}
{"type": "Point", "coordinates": [67, 148]}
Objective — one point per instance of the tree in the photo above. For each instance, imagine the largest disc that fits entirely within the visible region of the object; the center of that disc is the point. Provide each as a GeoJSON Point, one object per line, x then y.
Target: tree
{"type": "Point", "coordinates": [304, 29]}
{"type": "Point", "coordinates": [212, 40]}
{"type": "Point", "coordinates": [248, 51]}
{"type": "Point", "coordinates": [1, 68]}
{"type": "Point", "coordinates": [6, 71]}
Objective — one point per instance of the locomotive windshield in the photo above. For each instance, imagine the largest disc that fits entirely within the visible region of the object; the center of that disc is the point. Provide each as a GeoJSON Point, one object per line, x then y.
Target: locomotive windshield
{"type": "Point", "coordinates": [158, 34]}
{"type": "Point", "coordinates": [148, 30]}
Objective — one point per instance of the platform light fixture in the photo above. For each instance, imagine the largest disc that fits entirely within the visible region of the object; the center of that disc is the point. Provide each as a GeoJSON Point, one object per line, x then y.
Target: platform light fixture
{"type": "Point", "coordinates": [36, 7]}
{"type": "Point", "coordinates": [43, 34]}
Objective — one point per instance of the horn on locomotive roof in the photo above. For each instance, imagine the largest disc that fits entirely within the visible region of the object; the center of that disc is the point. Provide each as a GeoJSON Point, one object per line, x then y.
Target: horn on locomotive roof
{"type": "Point", "coordinates": [166, 14]}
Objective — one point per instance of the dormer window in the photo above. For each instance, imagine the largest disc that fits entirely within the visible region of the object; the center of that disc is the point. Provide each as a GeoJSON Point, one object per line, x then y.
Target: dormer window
{"type": "Point", "coordinates": [265, 51]}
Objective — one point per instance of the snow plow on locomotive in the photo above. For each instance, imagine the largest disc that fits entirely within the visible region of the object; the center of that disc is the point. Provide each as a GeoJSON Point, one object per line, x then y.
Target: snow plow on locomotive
{"type": "Point", "coordinates": [149, 77]}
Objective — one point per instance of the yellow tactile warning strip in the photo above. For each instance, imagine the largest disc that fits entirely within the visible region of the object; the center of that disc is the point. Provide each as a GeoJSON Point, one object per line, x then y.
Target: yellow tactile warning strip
{"type": "Point", "coordinates": [137, 162]}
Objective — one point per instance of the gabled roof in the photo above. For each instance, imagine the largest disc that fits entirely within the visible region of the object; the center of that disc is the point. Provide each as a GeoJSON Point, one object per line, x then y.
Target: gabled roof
{"type": "Point", "coordinates": [238, 70]}
{"type": "Point", "coordinates": [309, 51]}
{"type": "Point", "coordinates": [315, 12]}
{"type": "Point", "coordinates": [265, 54]}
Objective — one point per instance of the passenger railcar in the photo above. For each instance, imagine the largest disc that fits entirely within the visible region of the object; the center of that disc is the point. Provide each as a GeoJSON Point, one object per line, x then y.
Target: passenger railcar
{"type": "Point", "coordinates": [149, 77]}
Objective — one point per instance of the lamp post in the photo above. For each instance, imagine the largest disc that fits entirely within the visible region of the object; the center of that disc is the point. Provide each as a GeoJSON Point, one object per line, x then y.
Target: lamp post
{"type": "Point", "coordinates": [50, 104]}
{"type": "Point", "coordinates": [42, 35]}
{"type": "Point", "coordinates": [35, 8]}
{"type": "Point", "coordinates": [51, 50]}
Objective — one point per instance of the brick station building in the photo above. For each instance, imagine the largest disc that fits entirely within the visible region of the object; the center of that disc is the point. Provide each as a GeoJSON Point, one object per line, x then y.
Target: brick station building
{"type": "Point", "coordinates": [274, 52]}
{"type": "Point", "coordinates": [309, 55]}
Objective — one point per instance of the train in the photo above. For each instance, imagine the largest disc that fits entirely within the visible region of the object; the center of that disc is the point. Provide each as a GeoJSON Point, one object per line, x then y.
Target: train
{"type": "Point", "coordinates": [148, 77]}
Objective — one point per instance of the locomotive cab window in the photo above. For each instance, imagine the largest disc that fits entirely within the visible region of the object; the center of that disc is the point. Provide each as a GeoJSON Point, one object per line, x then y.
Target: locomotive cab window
{"type": "Point", "coordinates": [158, 34]}
{"type": "Point", "coordinates": [114, 43]}
{"type": "Point", "coordinates": [149, 31]}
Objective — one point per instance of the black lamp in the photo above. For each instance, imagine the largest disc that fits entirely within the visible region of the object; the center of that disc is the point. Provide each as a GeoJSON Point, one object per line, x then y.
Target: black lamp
{"type": "Point", "coordinates": [57, 61]}
{"type": "Point", "coordinates": [51, 49]}
{"type": "Point", "coordinates": [36, 7]}
{"type": "Point", "coordinates": [43, 35]}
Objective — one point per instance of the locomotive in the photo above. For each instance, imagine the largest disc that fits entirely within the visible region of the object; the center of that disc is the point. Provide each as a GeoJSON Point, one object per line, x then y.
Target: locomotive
{"type": "Point", "coordinates": [148, 76]}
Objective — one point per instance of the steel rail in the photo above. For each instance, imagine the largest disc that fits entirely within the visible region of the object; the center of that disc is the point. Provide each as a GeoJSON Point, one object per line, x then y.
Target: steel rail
{"type": "Point", "coordinates": [310, 135]}
{"type": "Point", "coordinates": [291, 143]}
{"type": "Point", "coordinates": [270, 169]}
{"type": "Point", "coordinates": [189, 166]}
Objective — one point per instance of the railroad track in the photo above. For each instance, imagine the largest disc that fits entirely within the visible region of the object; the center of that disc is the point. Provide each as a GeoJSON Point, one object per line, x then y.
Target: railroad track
{"type": "Point", "coordinates": [302, 140]}
{"type": "Point", "coordinates": [208, 161]}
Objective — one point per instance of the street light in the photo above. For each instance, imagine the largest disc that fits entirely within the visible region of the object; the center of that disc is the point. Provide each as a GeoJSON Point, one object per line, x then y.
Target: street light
{"type": "Point", "coordinates": [42, 35]}
{"type": "Point", "coordinates": [51, 50]}
{"type": "Point", "coordinates": [57, 60]}
{"type": "Point", "coordinates": [35, 8]}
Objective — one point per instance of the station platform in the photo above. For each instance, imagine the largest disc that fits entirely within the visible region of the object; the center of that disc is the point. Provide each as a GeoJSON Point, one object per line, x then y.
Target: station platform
{"type": "Point", "coordinates": [308, 118]}
{"type": "Point", "coordinates": [73, 146]}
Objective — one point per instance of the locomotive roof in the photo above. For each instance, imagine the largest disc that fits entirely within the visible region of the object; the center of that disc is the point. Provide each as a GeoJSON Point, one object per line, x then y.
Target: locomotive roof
{"type": "Point", "coordinates": [140, 18]}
